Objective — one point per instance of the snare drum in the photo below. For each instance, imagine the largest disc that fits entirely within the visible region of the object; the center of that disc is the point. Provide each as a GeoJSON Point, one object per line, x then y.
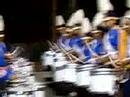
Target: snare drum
{"type": "Point", "coordinates": [103, 81]}
{"type": "Point", "coordinates": [47, 58]}
{"type": "Point", "coordinates": [66, 72]}
{"type": "Point", "coordinates": [83, 74]}
{"type": "Point", "coordinates": [39, 93]}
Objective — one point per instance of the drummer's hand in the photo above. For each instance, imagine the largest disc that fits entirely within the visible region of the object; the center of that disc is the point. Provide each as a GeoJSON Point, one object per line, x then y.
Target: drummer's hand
{"type": "Point", "coordinates": [119, 62]}
{"type": "Point", "coordinates": [9, 56]}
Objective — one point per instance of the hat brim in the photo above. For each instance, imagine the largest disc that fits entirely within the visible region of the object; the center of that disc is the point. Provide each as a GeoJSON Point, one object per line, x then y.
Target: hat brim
{"type": "Point", "coordinates": [96, 31]}
{"type": "Point", "coordinates": [69, 30]}
{"type": "Point", "coordinates": [86, 38]}
{"type": "Point", "coordinates": [110, 18]}
{"type": "Point", "coordinates": [128, 16]}
{"type": "Point", "coordinates": [76, 28]}
{"type": "Point", "coordinates": [60, 28]}
{"type": "Point", "coordinates": [125, 27]}
{"type": "Point", "coordinates": [2, 35]}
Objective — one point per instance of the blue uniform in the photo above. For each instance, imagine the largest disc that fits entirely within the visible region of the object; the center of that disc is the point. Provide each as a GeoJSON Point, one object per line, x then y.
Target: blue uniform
{"type": "Point", "coordinates": [126, 85]}
{"type": "Point", "coordinates": [7, 76]}
{"type": "Point", "coordinates": [8, 72]}
{"type": "Point", "coordinates": [79, 46]}
{"type": "Point", "coordinates": [64, 42]}
{"type": "Point", "coordinates": [3, 50]}
{"type": "Point", "coordinates": [111, 40]}
{"type": "Point", "coordinates": [114, 38]}
{"type": "Point", "coordinates": [98, 47]}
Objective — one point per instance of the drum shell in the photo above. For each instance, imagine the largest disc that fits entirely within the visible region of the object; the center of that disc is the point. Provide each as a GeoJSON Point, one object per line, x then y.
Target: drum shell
{"type": "Point", "coordinates": [39, 93]}
{"type": "Point", "coordinates": [66, 73]}
{"type": "Point", "coordinates": [30, 79]}
{"type": "Point", "coordinates": [103, 81]}
{"type": "Point", "coordinates": [83, 75]}
{"type": "Point", "coordinates": [47, 58]}
{"type": "Point", "coordinates": [17, 95]}
{"type": "Point", "coordinates": [12, 95]}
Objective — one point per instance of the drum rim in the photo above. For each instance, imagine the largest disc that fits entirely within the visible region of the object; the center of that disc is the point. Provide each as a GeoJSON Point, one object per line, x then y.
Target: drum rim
{"type": "Point", "coordinates": [105, 70]}
{"type": "Point", "coordinates": [86, 66]}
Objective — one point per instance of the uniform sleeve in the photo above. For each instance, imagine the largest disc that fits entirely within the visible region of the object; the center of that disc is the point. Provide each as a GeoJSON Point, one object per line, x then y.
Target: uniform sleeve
{"type": "Point", "coordinates": [87, 54]}
{"type": "Point", "coordinates": [4, 48]}
{"type": "Point", "coordinates": [113, 38]}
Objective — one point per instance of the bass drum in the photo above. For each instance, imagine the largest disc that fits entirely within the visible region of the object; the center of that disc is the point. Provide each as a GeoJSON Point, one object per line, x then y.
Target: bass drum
{"type": "Point", "coordinates": [83, 75]}
{"type": "Point", "coordinates": [103, 81]}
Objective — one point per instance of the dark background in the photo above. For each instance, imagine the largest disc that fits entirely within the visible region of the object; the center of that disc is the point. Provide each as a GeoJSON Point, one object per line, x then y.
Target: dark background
{"type": "Point", "coordinates": [31, 20]}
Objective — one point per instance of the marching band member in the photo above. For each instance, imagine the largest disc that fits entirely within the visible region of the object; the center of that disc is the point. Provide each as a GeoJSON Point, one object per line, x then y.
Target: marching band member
{"type": "Point", "coordinates": [100, 43]}
{"type": "Point", "coordinates": [77, 44]}
{"type": "Point", "coordinates": [97, 44]}
{"type": "Point", "coordinates": [6, 73]}
{"type": "Point", "coordinates": [64, 33]}
{"type": "Point", "coordinates": [86, 29]}
{"type": "Point", "coordinates": [111, 36]}
{"type": "Point", "coordinates": [126, 22]}
{"type": "Point", "coordinates": [106, 20]}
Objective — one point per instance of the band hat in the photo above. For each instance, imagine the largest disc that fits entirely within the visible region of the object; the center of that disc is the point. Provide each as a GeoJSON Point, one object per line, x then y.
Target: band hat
{"type": "Point", "coordinates": [86, 26]}
{"type": "Point", "coordinates": [127, 14]}
{"type": "Point", "coordinates": [110, 15]}
{"type": "Point", "coordinates": [104, 5]}
{"type": "Point", "coordinates": [2, 26]}
{"type": "Point", "coordinates": [98, 19]}
{"type": "Point", "coordinates": [60, 20]}
{"type": "Point", "coordinates": [76, 18]}
{"type": "Point", "coordinates": [128, 3]}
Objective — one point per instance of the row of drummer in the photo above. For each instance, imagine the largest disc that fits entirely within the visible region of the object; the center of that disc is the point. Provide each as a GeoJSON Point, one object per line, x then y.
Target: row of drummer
{"type": "Point", "coordinates": [105, 35]}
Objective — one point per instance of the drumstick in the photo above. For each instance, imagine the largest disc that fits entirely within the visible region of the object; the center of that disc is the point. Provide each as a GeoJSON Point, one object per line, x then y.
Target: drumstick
{"type": "Point", "coordinates": [77, 59]}
{"type": "Point", "coordinates": [125, 59]}
{"type": "Point", "coordinates": [64, 52]}
{"type": "Point", "coordinates": [68, 54]}
{"type": "Point", "coordinates": [113, 63]}
{"type": "Point", "coordinates": [52, 47]}
{"type": "Point", "coordinates": [50, 44]}
{"type": "Point", "coordinates": [93, 53]}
